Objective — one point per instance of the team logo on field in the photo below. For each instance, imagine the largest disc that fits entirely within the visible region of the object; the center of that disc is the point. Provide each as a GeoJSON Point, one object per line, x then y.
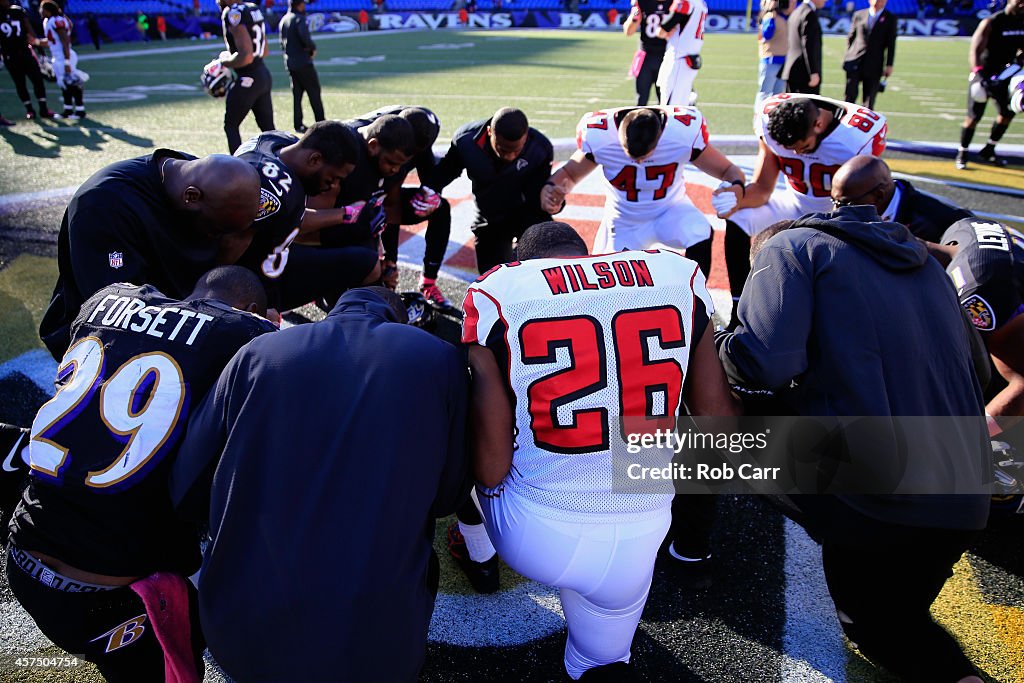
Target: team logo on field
{"type": "Point", "coordinates": [980, 312]}
{"type": "Point", "coordinates": [116, 259]}
{"type": "Point", "coordinates": [269, 204]}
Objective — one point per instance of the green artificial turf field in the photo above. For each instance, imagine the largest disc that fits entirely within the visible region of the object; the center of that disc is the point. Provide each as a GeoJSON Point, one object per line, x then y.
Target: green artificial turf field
{"type": "Point", "coordinates": [767, 618]}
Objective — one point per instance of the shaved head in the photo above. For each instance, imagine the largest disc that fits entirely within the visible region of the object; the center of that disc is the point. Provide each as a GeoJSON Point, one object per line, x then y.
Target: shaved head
{"type": "Point", "coordinates": [234, 285]}
{"type": "Point", "coordinates": [224, 191]}
{"type": "Point", "coordinates": [863, 180]}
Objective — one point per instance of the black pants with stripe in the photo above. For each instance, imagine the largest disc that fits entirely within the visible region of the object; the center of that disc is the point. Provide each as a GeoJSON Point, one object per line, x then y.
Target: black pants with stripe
{"type": "Point", "coordinates": [108, 628]}
{"type": "Point", "coordinates": [250, 91]}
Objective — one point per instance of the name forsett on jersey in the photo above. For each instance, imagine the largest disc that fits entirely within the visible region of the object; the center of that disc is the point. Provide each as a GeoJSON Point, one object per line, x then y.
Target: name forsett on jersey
{"type": "Point", "coordinates": [134, 314]}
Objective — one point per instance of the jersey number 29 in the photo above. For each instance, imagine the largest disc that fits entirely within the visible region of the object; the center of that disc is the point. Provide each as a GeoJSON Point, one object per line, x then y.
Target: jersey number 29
{"type": "Point", "coordinates": [140, 404]}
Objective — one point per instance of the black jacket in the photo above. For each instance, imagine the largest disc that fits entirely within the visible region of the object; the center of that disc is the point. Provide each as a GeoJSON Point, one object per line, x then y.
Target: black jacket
{"type": "Point", "coordinates": [296, 43]}
{"type": "Point", "coordinates": [874, 47]}
{"type": "Point", "coordinates": [926, 215]}
{"type": "Point", "coordinates": [503, 190]}
{"type": "Point", "coordinates": [855, 313]}
{"type": "Point", "coordinates": [803, 56]}
{"type": "Point", "coordinates": [335, 446]}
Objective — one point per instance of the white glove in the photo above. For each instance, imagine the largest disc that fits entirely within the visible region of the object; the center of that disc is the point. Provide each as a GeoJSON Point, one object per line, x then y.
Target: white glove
{"type": "Point", "coordinates": [223, 56]}
{"type": "Point", "coordinates": [725, 201]}
{"type": "Point", "coordinates": [213, 68]}
{"type": "Point", "coordinates": [425, 202]}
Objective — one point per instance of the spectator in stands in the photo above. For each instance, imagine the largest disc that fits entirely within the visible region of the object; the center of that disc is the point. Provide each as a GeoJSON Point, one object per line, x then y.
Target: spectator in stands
{"type": "Point", "coordinates": [142, 25]}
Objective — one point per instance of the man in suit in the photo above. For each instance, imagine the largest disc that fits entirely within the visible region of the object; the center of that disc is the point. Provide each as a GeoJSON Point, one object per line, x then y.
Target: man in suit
{"type": "Point", "coordinates": [802, 71]}
{"type": "Point", "coordinates": [870, 45]}
{"type": "Point", "coordinates": [867, 180]}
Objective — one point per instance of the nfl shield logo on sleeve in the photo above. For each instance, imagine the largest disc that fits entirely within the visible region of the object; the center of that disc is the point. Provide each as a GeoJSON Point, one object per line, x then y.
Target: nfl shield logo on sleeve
{"type": "Point", "coordinates": [116, 259]}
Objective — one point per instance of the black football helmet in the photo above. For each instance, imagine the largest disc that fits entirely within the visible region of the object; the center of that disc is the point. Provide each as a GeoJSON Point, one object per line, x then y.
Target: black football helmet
{"type": "Point", "coordinates": [215, 79]}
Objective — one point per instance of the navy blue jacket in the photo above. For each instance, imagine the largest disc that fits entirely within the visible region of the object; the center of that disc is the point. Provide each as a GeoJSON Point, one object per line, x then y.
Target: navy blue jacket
{"type": "Point", "coordinates": [339, 443]}
{"type": "Point", "coordinates": [858, 320]}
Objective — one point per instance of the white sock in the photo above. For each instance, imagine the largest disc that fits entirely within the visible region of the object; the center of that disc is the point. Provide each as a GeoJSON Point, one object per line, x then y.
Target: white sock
{"type": "Point", "coordinates": [478, 543]}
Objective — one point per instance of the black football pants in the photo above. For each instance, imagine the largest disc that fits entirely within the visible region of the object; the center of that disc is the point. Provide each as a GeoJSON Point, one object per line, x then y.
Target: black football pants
{"type": "Point", "coordinates": [25, 66]}
{"type": "Point", "coordinates": [248, 92]}
{"type": "Point", "coordinates": [647, 77]}
{"type": "Point", "coordinates": [870, 85]}
{"type": "Point", "coordinates": [883, 579]}
{"type": "Point", "coordinates": [494, 238]}
{"type": "Point", "coordinates": [305, 80]}
{"type": "Point", "coordinates": [108, 628]}
{"type": "Point", "coordinates": [439, 230]}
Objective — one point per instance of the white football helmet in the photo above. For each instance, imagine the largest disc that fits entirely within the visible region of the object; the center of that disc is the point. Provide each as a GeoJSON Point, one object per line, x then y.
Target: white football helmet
{"type": "Point", "coordinates": [1017, 94]}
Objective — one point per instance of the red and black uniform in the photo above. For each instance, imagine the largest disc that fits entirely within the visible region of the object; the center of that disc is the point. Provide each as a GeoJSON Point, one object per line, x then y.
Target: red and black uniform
{"type": "Point", "coordinates": [19, 58]}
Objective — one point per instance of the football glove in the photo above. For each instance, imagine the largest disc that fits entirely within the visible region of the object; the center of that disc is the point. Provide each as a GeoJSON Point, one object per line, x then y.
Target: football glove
{"type": "Point", "coordinates": [425, 202]}
{"type": "Point", "coordinates": [726, 201]}
{"type": "Point", "coordinates": [215, 79]}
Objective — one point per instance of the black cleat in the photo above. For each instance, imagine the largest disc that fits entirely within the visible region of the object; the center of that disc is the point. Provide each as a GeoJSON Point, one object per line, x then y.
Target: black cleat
{"type": "Point", "coordinates": [483, 576]}
{"type": "Point", "coordinates": [989, 156]}
{"type": "Point", "coordinates": [5, 122]}
{"type": "Point", "coordinates": [961, 160]}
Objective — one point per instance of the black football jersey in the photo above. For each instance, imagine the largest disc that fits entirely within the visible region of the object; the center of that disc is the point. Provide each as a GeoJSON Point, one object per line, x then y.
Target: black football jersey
{"type": "Point", "coordinates": [102, 447]}
{"type": "Point", "coordinates": [251, 17]}
{"type": "Point", "coordinates": [653, 12]}
{"type": "Point", "coordinates": [282, 203]}
{"type": "Point", "coordinates": [365, 179]}
{"type": "Point", "coordinates": [987, 271]}
{"type": "Point", "coordinates": [423, 162]}
{"type": "Point", "coordinates": [1005, 41]}
{"type": "Point", "coordinates": [13, 36]}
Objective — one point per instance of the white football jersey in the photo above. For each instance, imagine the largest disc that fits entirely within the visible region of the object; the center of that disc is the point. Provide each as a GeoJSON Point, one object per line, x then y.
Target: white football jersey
{"type": "Point", "coordinates": [688, 38]}
{"type": "Point", "coordinates": [584, 343]}
{"type": "Point", "coordinates": [860, 131]}
{"type": "Point", "coordinates": [50, 28]}
{"type": "Point", "coordinates": [642, 191]}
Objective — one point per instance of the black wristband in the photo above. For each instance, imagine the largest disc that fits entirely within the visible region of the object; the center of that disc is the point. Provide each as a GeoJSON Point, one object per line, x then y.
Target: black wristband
{"type": "Point", "coordinates": [743, 186]}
